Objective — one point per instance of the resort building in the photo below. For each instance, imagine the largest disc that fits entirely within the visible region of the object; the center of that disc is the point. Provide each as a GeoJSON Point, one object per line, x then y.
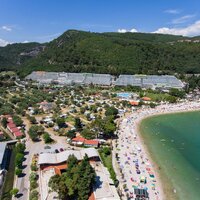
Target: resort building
{"type": "Point", "coordinates": [127, 96]}
{"type": "Point", "coordinates": [78, 141]}
{"type": "Point", "coordinates": [149, 81]}
{"type": "Point", "coordinates": [46, 159]}
{"type": "Point", "coordinates": [55, 163]}
{"type": "Point", "coordinates": [143, 81]}
{"type": "Point", "coordinates": [70, 78]}
{"type": "Point", "coordinates": [14, 130]}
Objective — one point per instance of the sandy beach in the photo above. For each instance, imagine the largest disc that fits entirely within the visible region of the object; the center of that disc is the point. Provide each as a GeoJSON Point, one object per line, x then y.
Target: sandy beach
{"type": "Point", "coordinates": [131, 148]}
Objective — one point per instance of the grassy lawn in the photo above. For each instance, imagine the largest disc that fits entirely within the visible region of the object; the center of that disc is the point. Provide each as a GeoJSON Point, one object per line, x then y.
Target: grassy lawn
{"type": "Point", "coordinates": [107, 161]}
{"type": "Point", "coordinates": [157, 97]}
{"type": "Point", "coordinates": [8, 185]}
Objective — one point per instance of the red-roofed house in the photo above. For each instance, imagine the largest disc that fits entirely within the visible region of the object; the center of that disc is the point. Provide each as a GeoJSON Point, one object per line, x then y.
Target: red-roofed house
{"type": "Point", "coordinates": [14, 130]}
{"type": "Point", "coordinates": [91, 143]}
{"type": "Point", "coordinates": [134, 103]}
{"type": "Point", "coordinates": [82, 141]}
{"type": "Point", "coordinates": [11, 125]}
{"type": "Point", "coordinates": [18, 134]}
{"type": "Point", "coordinates": [78, 140]}
{"type": "Point", "coordinates": [146, 98]}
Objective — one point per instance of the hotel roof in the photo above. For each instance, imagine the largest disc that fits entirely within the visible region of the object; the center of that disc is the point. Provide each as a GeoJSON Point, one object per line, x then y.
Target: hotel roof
{"type": "Point", "coordinates": [56, 158]}
{"type": "Point", "coordinates": [64, 78]}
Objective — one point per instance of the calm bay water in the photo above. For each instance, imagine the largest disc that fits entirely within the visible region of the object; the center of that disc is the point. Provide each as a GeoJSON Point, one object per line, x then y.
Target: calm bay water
{"type": "Point", "coordinates": [173, 140]}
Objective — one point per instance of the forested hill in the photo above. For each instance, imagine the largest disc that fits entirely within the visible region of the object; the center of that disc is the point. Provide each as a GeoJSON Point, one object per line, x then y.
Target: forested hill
{"type": "Point", "coordinates": [115, 53]}
{"type": "Point", "coordinates": [15, 55]}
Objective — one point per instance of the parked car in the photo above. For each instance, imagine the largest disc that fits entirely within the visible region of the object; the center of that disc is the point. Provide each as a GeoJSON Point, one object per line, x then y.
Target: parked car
{"type": "Point", "coordinates": [56, 151]}
{"type": "Point", "coordinates": [61, 149]}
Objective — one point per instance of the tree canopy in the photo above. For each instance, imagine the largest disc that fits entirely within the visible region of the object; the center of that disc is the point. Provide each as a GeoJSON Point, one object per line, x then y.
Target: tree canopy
{"type": "Point", "coordinates": [76, 182]}
{"type": "Point", "coordinates": [114, 53]}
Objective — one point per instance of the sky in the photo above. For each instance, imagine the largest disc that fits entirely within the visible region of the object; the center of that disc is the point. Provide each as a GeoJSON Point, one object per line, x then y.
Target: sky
{"type": "Point", "coordinates": [44, 20]}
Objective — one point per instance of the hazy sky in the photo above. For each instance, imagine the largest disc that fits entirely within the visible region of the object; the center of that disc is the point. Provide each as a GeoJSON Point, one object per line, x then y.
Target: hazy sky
{"type": "Point", "coordinates": [43, 20]}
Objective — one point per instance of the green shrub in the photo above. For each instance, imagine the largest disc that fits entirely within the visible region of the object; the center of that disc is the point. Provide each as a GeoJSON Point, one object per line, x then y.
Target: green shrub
{"type": "Point", "coordinates": [33, 176]}
{"type": "Point", "coordinates": [14, 191]}
{"type": "Point", "coordinates": [34, 195]}
{"type": "Point", "coordinates": [33, 185]}
{"type": "Point", "coordinates": [18, 171]}
{"type": "Point", "coordinates": [34, 167]}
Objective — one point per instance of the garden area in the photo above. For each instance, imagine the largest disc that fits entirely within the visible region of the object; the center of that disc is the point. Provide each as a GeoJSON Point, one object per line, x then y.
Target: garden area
{"type": "Point", "coordinates": [106, 157]}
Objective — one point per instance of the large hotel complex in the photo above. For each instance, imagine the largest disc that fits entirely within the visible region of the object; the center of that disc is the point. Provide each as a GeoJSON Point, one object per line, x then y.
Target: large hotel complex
{"type": "Point", "coordinates": [144, 81]}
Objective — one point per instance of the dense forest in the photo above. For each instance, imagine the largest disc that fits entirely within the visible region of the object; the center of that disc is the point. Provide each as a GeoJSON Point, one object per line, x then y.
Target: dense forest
{"type": "Point", "coordinates": [114, 53]}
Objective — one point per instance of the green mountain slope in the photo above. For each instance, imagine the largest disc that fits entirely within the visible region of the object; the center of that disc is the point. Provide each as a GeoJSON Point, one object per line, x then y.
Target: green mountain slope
{"type": "Point", "coordinates": [14, 55]}
{"type": "Point", "coordinates": [115, 53]}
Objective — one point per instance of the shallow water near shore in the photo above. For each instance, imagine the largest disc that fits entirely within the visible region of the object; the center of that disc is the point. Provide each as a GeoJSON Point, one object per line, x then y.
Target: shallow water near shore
{"type": "Point", "coordinates": [173, 141]}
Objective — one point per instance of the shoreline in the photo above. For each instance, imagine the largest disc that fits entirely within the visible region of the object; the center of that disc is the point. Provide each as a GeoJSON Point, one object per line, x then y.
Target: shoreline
{"type": "Point", "coordinates": [143, 114]}
{"type": "Point", "coordinates": [155, 166]}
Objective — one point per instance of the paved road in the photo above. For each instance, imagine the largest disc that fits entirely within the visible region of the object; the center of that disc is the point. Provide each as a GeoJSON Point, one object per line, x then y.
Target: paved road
{"type": "Point", "coordinates": [22, 183]}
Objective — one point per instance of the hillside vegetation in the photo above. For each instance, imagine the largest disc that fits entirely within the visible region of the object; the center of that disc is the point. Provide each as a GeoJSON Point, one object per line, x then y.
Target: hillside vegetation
{"type": "Point", "coordinates": [114, 53]}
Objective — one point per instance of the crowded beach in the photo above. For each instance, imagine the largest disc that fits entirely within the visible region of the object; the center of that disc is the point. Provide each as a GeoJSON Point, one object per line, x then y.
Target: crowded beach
{"type": "Point", "coordinates": [138, 178]}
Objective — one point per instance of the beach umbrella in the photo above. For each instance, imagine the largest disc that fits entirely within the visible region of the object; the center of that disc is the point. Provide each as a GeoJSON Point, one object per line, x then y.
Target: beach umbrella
{"type": "Point", "coordinates": [142, 179]}
{"type": "Point", "coordinates": [147, 163]}
{"type": "Point", "coordinates": [152, 175]}
{"type": "Point", "coordinates": [134, 186]}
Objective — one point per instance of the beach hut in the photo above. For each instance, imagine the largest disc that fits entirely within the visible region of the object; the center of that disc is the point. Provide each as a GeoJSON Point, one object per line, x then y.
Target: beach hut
{"type": "Point", "coordinates": [141, 194]}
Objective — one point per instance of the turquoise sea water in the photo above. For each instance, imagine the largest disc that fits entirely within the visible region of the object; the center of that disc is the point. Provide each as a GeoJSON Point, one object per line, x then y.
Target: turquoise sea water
{"type": "Point", "coordinates": [173, 140]}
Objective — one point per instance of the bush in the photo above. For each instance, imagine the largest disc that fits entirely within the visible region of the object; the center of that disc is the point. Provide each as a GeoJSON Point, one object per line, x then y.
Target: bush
{"type": "Point", "coordinates": [33, 176]}
{"type": "Point", "coordinates": [14, 191]}
{"type": "Point", "coordinates": [34, 167]}
{"type": "Point", "coordinates": [33, 195]}
{"type": "Point", "coordinates": [32, 120]}
{"type": "Point", "coordinates": [111, 111]}
{"type": "Point", "coordinates": [88, 134]}
{"type": "Point", "coordinates": [106, 151]}
{"type": "Point", "coordinates": [20, 148]}
{"type": "Point", "coordinates": [70, 134]}
{"type": "Point", "coordinates": [33, 185]}
{"type": "Point", "coordinates": [61, 122]}
{"type": "Point", "coordinates": [19, 159]}
{"type": "Point", "coordinates": [17, 120]}
{"type": "Point", "coordinates": [47, 138]}
{"type": "Point", "coordinates": [4, 122]}
{"type": "Point", "coordinates": [18, 171]}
